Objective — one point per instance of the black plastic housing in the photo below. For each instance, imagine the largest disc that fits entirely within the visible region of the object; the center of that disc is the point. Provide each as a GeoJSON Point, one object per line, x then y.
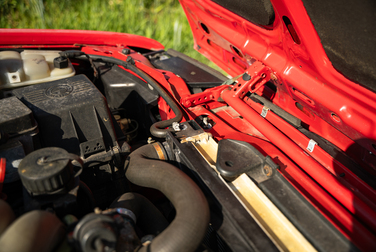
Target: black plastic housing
{"type": "Point", "coordinates": [61, 62]}
{"type": "Point", "coordinates": [72, 114]}
{"type": "Point", "coordinates": [15, 117]}
{"type": "Point", "coordinates": [119, 84]}
{"type": "Point", "coordinates": [237, 157]}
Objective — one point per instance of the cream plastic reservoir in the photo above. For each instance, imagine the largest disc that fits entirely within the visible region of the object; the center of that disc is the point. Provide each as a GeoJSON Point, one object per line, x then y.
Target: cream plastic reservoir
{"type": "Point", "coordinates": [30, 67]}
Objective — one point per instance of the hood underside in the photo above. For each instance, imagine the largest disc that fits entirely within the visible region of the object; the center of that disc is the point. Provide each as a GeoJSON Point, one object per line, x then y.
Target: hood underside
{"type": "Point", "coordinates": [321, 57]}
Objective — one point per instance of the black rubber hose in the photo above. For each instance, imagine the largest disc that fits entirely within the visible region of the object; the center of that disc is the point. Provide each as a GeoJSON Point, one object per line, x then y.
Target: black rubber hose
{"type": "Point", "coordinates": [6, 216]}
{"type": "Point", "coordinates": [158, 128]}
{"type": "Point", "coordinates": [35, 231]}
{"type": "Point", "coordinates": [149, 219]}
{"type": "Point", "coordinates": [187, 230]}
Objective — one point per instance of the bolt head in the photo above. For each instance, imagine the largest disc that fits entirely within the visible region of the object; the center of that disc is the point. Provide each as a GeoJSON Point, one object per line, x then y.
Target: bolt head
{"type": "Point", "coordinates": [188, 103]}
{"type": "Point", "coordinates": [246, 77]}
{"type": "Point", "coordinates": [126, 51]}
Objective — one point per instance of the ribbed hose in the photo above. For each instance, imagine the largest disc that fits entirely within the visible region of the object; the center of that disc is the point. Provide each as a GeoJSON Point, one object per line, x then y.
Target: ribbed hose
{"type": "Point", "coordinates": [187, 230]}
{"type": "Point", "coordinates": [158, 128]}
{"type": "Point", "coordinates": [149, 219]}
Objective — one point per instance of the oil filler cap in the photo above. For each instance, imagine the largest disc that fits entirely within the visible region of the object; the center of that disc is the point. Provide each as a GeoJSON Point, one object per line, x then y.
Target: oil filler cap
{"type": "Point", "coordinates": [46, 171]}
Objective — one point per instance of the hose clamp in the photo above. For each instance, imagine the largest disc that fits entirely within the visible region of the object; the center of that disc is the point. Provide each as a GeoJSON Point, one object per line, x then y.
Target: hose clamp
{"type": "Point", "coordinates": [122, 211]}
{"type": "Point", "coordinates": [159, 151]}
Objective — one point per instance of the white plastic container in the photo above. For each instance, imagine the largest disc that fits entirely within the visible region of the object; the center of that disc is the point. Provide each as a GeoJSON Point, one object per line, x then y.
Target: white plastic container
{"type": "Point", "coordinates": [30, 67]}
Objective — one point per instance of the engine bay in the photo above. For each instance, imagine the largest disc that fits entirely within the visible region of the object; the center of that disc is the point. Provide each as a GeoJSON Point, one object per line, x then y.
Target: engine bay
{"type": "Point", "coordinates": [65, 146]}
{"type": "Point", "coordinates": [142, 150]}
{"type": "Point", "coordinates": [109, 142]}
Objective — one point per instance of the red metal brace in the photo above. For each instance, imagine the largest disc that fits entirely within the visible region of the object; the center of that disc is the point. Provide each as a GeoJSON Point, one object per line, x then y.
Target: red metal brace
{"type": "Point", "coordinates": [212, 94]}
{"type": "Point", "coordinates": [345, 195]}
{"type": "Point", "coordinates": [252, 80]}
{"type": "Point", "coordinates": [254, 77]}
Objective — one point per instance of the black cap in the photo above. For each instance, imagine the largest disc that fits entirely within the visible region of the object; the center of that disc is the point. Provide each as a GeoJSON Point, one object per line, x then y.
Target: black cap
{"type": "Point", "coordinates": [95, 228]}
{"type": "Point", "coordinates": [46, 171]}
{"type": "Point", "coordinates": [246, 77]}
{"type": "Point", "coordinates": [126, 51]}
{"type": "Point", "coordinates": [61, 62]}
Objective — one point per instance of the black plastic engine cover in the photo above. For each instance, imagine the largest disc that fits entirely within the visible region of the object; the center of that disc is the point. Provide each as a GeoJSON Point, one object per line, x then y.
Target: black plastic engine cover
{"type": "Point", "coordinates": [15, 117]}
{"type": "Point", "coordinates": [71, 114]}
{"type": "Point", "coordinates": [119, 84]}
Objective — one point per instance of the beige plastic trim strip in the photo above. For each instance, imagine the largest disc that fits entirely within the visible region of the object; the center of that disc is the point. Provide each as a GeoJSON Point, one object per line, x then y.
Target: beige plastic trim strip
{"type": "Point", "coordinates": [270, 218]}
{"type": "Point", "coordinates": [282, 231]}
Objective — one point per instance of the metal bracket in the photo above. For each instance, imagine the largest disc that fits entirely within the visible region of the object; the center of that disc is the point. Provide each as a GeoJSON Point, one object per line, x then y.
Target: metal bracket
{"type": "Point", "coordinates": [176, 126]}
{"type": "Point", "coordinates": [264, 111]}
{"type": "Point", "coordinates": [260, 75]}
{"type": "Point", "coordinates": [204, 137]}
{"type": "Point", "coordinates": [212, 94]}
{"type": "Point", "coordinates": [311, 145]}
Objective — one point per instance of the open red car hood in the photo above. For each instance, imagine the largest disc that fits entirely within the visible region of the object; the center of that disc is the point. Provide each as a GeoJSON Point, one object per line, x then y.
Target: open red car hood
{"type": "Point", "coordinates": [286, 41]}
{"type": "Point", "coordinates": [285, 149]}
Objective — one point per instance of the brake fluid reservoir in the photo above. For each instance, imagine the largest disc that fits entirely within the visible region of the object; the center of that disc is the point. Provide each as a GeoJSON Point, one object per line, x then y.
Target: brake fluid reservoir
{"type": "Point", "coordinates": [31, 67]}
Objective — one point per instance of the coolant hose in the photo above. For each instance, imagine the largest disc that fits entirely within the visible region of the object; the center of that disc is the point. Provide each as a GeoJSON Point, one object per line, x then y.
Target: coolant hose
{"type": "Point", "coordinates": [186, 231]}
{"type": "Point", "coordinates": [6, 216]}
{"type": "Point", "coordinates": [35, 231]}
{"type": "Point", "coordinates": [158, 128]}
{"type": "Point", "coordinates": [149, 219]}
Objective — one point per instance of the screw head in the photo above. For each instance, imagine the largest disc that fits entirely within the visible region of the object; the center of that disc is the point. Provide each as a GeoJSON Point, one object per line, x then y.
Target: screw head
{"type": "Point", "coordinates": [188, 103]}
{"type": "Point", "coordinates": [126, 51]}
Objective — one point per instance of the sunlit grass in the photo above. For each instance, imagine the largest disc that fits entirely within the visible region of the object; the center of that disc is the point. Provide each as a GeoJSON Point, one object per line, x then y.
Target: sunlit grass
{"type": "Point", "coordinates": [162, 20]}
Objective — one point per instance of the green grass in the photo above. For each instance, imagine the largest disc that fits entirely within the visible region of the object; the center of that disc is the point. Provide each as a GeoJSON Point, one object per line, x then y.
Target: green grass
{"type": "Point", "coordinates": [162, 20]}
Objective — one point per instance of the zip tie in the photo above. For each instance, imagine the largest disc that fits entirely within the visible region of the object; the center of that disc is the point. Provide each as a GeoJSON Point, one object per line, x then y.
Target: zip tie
{"type": "Point", "coordinates": [311, 145]}
{"type": "Point", "coordinates": [264, 111]}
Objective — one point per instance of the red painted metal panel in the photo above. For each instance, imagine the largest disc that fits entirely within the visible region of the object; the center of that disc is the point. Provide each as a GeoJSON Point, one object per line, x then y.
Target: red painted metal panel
{"type": "Point", "coordinates": [308, 164]}
{"type": "Point", "coordinates": [16, 37]}
{"type": "Point", "coordinates": [304, 67]}
{"type": "Point", "coordinates": [331, 105]}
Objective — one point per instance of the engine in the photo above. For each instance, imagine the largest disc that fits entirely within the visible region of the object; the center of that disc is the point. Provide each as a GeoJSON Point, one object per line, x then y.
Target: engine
{"type": "Point", "coordinates": [85, 161]}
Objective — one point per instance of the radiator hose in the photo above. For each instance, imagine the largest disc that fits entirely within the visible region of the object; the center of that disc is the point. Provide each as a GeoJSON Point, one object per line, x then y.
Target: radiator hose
{"type": "Point", "coordinates": [185, 233]}
{"type": "Point", "coordinates": [6, 216]}
{"type": "Point", "coordinates": [35, 231]}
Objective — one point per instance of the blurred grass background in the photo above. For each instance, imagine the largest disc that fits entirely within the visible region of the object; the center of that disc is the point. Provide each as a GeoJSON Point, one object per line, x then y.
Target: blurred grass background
{"type": "Point", "coordinates": [162, 20]}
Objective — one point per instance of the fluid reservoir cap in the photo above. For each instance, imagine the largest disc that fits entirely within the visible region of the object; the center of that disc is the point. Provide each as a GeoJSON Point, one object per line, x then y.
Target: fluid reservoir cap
{"type": "Point", "coordinates": [61, 62]}
{"type": "Point", "coordinates": [46, 171]}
